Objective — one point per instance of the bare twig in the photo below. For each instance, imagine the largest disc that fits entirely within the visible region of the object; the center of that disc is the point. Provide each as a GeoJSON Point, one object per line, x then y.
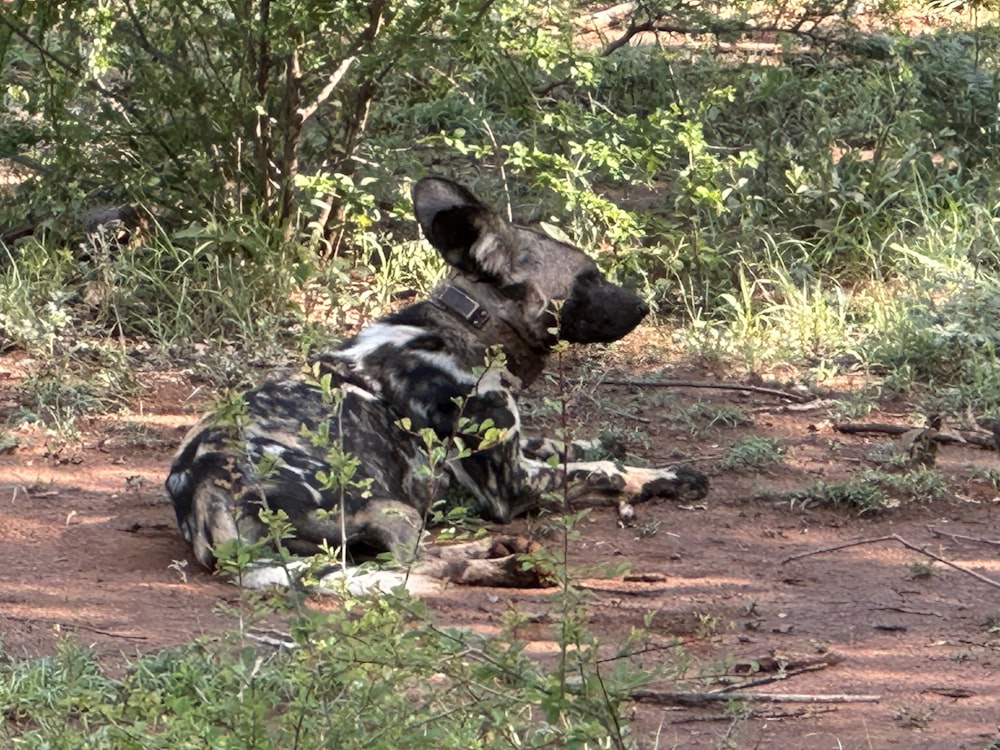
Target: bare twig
{"type": "Point", "coordinates": [624, 591]}
{"type": "Point", "coordinates": [852, 428]}
{"type": "Point", "coordinates": [975, 437]}
{"type": "Point", "coordinates": [704, 384]}
{"type": "Point", "coordinates": [74, 626]}
{"type": "Point", "coordinates": [796, 713]}
{"type": "Point", "coordinates": [674, 698]}
{"type": "Point", "coordinates": [632, 417]}
{"type": "Point", "coordinates": [908, 611]}
{"type": "Point", "coordinates": [332, 82]}
{"type": "Point", "coordinates": [267, 640]}
{"type": "Point", "coordinates": [950, 692]}
{"type": "Point", "coordinates": [800, 408]}
{"type": "Point", "coordinates": [771, 678]}
{"type": "Point", "coordinates": [908, 545]}
{"type": "Point", "coordinates": [962, 537]}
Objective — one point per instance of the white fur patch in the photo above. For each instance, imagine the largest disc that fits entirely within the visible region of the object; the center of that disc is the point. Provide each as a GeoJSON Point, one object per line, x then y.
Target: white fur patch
{"type": "Point", "coordinates": [377, 335]}
{"type": "Point", "coordinates": [359, 392]}
{"type": "Point", "coordinates": [352, 581]}
{"type": "Point", "coordinates": [493, 257]}
{"type": "Point", "coordinates": [446, 363]}
{"type": "Point", "coordinates": [374, 582]}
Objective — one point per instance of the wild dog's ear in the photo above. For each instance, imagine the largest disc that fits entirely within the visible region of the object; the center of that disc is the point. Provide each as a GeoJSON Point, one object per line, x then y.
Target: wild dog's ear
{"type": "Point", "coordinates": [453, 220]}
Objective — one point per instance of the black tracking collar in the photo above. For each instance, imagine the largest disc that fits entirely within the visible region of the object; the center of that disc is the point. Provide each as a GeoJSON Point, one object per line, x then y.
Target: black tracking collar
{"type": "Point", "coordinates": [462, 304]}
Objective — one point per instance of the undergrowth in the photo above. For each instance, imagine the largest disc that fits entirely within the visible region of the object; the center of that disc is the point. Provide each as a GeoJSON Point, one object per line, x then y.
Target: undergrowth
{"type": "Point", "coordinates": [375, 673]}
{"type": "Point", "coordinates": [828, 210]}
{"type": "Point", "coordinates": [875, 490]}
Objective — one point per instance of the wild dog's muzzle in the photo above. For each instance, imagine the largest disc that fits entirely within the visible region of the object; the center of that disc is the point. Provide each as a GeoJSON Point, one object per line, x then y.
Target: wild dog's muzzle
{"type": "Point", "coordinates": [598, 311]}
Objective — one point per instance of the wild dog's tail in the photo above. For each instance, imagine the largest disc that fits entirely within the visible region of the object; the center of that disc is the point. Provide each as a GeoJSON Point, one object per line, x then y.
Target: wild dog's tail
{"type": "Point", "coordinates": [201, 485]}
{"type": "Point", "coordinates": [206, 515]}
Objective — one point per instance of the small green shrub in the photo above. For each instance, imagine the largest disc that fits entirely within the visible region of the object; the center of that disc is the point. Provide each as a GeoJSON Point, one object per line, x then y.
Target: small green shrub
{"type": "Point", "coordinates": [875, 490]}
{"type": "Point", "coordinates": [706, 415]}
{"type": "Point", "coordinates": [855, 494]}
{"type": "Point", "coordinates": [80, 379]}
{"type": "Point", "coordinates": [376, 673]}
{"type": "Point", "coordinates": [752, 452]}
{"type": "Point", "coordinates": [918, 484]}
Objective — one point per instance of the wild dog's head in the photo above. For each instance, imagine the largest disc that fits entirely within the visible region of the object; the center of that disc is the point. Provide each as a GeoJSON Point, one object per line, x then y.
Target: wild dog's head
{"type": "Point", "coordinates": [537, 282]}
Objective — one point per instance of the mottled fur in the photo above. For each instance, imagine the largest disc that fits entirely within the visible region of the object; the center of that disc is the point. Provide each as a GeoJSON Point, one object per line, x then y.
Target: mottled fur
{"type": "Point", "coordinates": [510, 290]}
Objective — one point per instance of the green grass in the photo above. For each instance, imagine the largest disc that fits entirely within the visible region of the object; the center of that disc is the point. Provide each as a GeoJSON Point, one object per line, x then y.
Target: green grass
{"type": "Point", "coordinates": [752, 452]}
{"type": "Point", "coordinates": [818, 217]}
{"type": "Point", "coordinates": [702, 416]}
{"type": "Point", "coordinates": [875, 490]}
{"type": "Point", "coordinates": [376, 673]}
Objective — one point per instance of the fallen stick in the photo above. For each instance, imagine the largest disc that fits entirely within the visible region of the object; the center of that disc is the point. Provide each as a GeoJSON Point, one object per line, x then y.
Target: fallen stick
{"type": "Point", "coordinates": [769, 679]}
{"type": "Point", "coordinates": [267, 640]}
{"type": "Point", "coordinates": [674, 698]}
{"type": "Point", "coordinates": [908, 611]}
{"type": "Point", "coordinates": [75, 626]}
{"type": "Point", "coordinates": [852, 428]}
{"type": "Point", "coordinates": [951, 437]}
{"type": "Point", "coordinates": [799, 408]}
{"type": "Point", "coordinates": [706, 384]}
{"type": "Point", "coordinates": [908, 545]}
{"type": "Point", "coordinates": [963, 537]}
{"type": "Point", "coordinates": [633, 417]}
{"type": "Point", "coordinates": [796, 713]}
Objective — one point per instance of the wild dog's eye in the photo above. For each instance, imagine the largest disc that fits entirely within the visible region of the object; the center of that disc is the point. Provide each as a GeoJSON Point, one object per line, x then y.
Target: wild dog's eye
{"type": "Point", "coordinates": [516, 291]}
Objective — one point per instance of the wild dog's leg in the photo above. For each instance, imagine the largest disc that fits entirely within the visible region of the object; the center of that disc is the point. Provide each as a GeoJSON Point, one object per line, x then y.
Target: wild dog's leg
{"type": "Point", "coordinates": [390, 525]}
{"type": "Point", "coordinates": [604, 482]}
{"type": "Point", "coordinates": [544, 449]}
{"type": "Point", "coordinates": [493, 561]}
{"type": "Point", "coordinates": [377, 525]}
{"type": "Point", "coordinates": [381, 524]}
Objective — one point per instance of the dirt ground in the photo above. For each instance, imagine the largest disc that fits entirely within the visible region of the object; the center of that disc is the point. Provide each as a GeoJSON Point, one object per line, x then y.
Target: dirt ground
{"type": "Point", "coordinates": [88, 545]}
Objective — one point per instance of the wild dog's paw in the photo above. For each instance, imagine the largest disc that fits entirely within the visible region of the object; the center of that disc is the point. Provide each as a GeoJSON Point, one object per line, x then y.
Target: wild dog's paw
{"type": "Point", "coordinates": [626, 514]}
{"type": "Point", "coordinates": [525, 560]}
{"type": "Point", "coordinates": [503, 546]}
{"type": "Point", "coordinates": [497, 562]}
{"type": "Point", "coordinates": [673, 483]}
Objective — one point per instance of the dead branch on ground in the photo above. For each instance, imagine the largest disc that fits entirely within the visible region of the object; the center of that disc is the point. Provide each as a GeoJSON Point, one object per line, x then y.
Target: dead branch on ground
{"type": "Point", "coordinates": [73, 626]}
{"type": "Point", "coordinates": [975, 437]}
{"type": "Point", "coordinates": [795, 713]}
{"type": "Point", "coordinates": [908, 545]}
{"type": "Point", "coordinates": [771, 678]}
{"type": "Point", "coordinates": [675, 698]}
{"type": "Point", "coordinates": [798, 408]}
{"type": "Point", "coordinates": [963, 538]}
{"type": "Point", "coordinates": [704, 384]}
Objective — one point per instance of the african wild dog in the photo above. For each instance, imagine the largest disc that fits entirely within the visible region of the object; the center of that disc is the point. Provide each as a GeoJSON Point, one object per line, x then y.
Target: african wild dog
{"type": "Point", "coordinates": [510, 289]}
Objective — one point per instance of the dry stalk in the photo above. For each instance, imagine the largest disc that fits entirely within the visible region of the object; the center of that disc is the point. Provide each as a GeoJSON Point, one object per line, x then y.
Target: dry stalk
{"type": "Point", "coordinates": [896, 538]}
